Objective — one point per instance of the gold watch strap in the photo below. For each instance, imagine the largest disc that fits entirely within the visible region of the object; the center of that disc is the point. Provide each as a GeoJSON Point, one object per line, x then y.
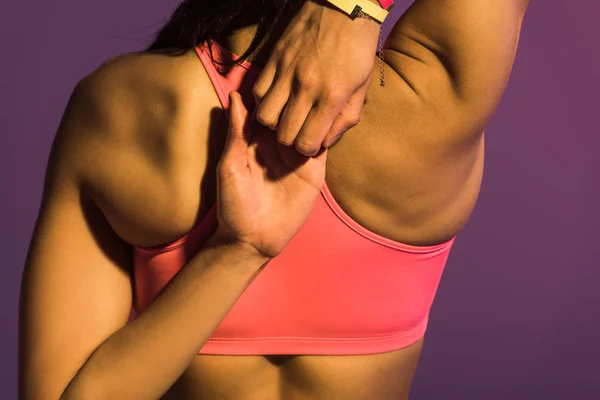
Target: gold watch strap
{"type": "Point", "coordinates": [354, 7]}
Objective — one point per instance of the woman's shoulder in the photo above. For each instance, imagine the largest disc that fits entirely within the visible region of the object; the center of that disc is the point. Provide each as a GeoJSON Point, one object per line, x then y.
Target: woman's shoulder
{"type": "Point", "coordinates": [144, 84]}
{"type": "Point", "coordinates": [135, 132]}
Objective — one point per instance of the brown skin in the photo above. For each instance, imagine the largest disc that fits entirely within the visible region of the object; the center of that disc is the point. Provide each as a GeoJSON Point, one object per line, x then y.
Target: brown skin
{"type": "Point", "coordinates": [311, 97]}
{"type": "Point", "coordinates": [135, 162]}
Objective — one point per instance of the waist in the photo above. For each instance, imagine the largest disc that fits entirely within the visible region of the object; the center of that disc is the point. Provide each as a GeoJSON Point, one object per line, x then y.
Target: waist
{"type": "Point", "coordinates": [295, 377]}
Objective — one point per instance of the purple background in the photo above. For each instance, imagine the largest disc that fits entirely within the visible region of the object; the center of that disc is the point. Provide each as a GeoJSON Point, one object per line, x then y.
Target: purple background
{"type": "Point", "coordinates": [517, 312]}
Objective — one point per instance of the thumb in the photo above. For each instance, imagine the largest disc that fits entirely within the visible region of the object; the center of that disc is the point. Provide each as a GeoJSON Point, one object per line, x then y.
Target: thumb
{"type": "Point", "coordinates": [238, 135]}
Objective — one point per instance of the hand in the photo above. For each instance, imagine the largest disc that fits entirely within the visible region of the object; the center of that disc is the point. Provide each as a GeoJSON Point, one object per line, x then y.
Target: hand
{"type": "Point", "coordinates": [265, 191]}
{"type": "Point", "coordinates": [313, 86]}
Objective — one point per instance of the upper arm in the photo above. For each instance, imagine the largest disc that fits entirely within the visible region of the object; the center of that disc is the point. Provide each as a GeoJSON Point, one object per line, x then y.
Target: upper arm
{"type": "Point", "coordinates": [461, 51]}
{"type": "Point", "coordinates": [76, 289]}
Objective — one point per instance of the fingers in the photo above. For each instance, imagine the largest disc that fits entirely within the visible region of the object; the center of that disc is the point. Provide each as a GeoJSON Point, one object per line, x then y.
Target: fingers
{"type": "Point", "coordinates": [348, 117]}
{"type": "Point", "coordinates": [238, 135]}
{"type": "Point", "coordinates": [273, 103]}
{"type": "Point", "coordinates": [317, 125]}
{"type": "Point", "coordinates": [293, 117]}
{"type": "Point", "coordinates": [264, 82]}
{"type": "Point", "coordinates": [302, 114]}
{"type": "Point", "coordinates": [306, 125]}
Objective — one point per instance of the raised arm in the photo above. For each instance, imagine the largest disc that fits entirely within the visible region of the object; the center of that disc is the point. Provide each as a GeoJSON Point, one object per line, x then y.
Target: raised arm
{"type": "Point", "coordinates": [461, 49]}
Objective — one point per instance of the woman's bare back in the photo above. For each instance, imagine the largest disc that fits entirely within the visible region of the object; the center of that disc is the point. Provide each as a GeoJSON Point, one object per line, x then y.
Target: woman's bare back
{"type": "Point", "coordinates": [177, 141]}
{"type": "Point", "coordinates": [415, 183]}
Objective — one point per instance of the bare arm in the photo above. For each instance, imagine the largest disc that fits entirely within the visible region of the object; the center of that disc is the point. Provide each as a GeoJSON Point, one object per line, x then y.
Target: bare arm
{"type": "Point", "coordinates": [76, 295]}
{"type": "Point", "coordinates": [459, 52]}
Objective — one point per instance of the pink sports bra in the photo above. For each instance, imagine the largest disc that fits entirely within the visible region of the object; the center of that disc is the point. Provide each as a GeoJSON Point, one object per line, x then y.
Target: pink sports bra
{"type": "Point", "coordinates": [336, 289]}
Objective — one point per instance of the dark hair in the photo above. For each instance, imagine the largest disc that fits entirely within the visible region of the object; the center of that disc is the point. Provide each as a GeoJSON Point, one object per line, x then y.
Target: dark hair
{"type": "Point", "coordinates": [196, 21]}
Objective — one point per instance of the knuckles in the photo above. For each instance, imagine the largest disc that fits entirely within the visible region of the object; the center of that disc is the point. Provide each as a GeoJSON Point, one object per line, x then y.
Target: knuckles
{"type": "Point", "coordinates": [333, 97]}
{"type": "Point", "coordinates": [307, 78]}
{"type": "Point", "coordinates": [328, 90]}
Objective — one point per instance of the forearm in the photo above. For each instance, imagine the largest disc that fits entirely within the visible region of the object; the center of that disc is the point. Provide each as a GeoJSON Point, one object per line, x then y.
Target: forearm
{"type": "Point", "coordinates": [144, 358]}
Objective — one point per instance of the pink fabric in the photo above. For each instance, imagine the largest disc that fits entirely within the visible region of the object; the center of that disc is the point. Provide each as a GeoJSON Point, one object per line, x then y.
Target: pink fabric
{"type": "Point", "coordinates": [336, 289]}
{"type": "Point", "coordinates": [385, 3]}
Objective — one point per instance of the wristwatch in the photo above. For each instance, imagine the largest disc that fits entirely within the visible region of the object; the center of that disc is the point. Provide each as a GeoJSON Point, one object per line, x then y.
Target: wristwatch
{"type": "Point", "coordinates": [355, 8]}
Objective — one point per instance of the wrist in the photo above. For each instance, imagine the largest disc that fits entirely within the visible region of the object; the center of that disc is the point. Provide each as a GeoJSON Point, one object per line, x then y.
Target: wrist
{"type": "Point", "coordinates": [348, 21]}
{"type": "Point", "coordinates": [237, 250]}
{"type": "Point", "coordinates": [362, 9]}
